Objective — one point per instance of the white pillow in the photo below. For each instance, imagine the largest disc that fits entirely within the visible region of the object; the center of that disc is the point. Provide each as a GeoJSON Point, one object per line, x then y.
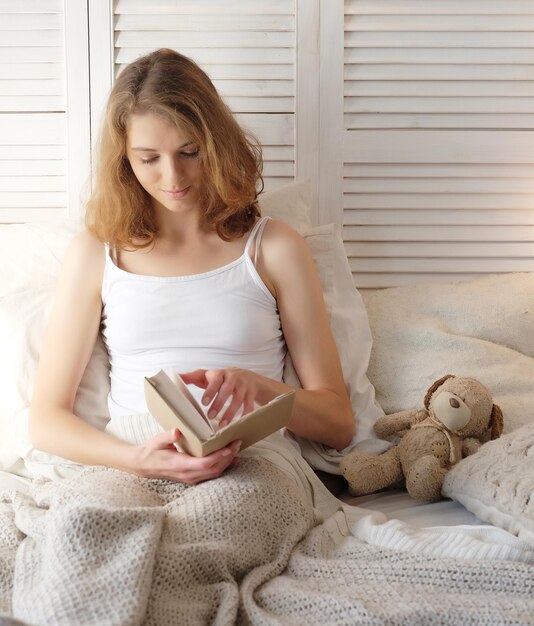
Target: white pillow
{"type": "Point", "coordinates": [482, 328]}
{"type": "Point", "coordinates": [290, 204]}
{"type": "Point", "coordinates": [350, 327]}
{"type": "Point", "coordinates": [31, 256]}
{"type": "Point", "coordinates": [497, 483]}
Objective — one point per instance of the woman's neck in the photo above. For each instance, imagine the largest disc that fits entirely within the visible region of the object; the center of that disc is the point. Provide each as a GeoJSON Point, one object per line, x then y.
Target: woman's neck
{"type": "Point", "coordinates": [179, 227]}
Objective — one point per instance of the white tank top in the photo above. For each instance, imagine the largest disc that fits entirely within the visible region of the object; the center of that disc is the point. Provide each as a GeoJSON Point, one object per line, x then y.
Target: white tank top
{"type": "Point", "coordinates": [222, 318]}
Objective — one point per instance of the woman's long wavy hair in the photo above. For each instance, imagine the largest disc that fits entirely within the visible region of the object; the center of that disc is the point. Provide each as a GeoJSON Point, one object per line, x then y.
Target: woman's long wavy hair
{"type": "Point", "coordinates": [170, 85]}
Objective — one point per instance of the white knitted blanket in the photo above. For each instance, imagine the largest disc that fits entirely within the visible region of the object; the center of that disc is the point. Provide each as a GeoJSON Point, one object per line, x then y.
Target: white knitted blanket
{"type": "Point", "coordinates": [108, 548]}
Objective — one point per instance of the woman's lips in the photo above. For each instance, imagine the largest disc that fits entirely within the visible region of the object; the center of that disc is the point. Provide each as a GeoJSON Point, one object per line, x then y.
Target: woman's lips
{"type": "Point", "coordinates": [176, 195]}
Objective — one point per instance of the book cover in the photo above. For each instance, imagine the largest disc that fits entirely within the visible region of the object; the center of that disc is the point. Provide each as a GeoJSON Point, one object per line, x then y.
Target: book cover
{"type": "Point", "coordinates": [173, 406]}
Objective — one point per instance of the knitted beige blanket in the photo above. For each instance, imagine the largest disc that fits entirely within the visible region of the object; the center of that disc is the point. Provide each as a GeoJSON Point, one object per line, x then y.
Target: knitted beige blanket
{"type": "Point", "coordinates": [108, 548]}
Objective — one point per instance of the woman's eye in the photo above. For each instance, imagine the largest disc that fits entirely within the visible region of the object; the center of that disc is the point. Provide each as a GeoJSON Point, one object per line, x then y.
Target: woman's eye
{"type": "Point", "coordinates": [149, 161]}
{"type": "Point", "coordinates": [190, 155]}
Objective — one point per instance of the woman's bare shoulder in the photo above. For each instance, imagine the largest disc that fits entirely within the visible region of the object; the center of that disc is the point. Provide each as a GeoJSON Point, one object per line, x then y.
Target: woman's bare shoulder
{"type": "Point", "coordinates": [282, 244]}
{"type": "Point", "coordinates": [85, 243]}
{"type": "Point", "coordinates": [285, 258]}
{"type": "Point", "coordinates": [85, 256]}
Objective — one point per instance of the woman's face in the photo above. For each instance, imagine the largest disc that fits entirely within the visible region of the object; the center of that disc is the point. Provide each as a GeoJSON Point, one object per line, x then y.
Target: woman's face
{"type": "Point", "coordinates": [165, 161]}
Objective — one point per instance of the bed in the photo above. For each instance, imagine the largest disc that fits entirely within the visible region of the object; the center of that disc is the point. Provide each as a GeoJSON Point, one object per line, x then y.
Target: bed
{"type": "Point", "coordinates": [315, 558]}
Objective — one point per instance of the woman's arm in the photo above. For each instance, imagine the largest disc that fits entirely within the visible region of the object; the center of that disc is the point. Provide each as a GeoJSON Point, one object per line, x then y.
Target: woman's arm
{"type": "Point", "coordinates": [71, 334]}
{"type": "Point", "coordinates": [322, 410]}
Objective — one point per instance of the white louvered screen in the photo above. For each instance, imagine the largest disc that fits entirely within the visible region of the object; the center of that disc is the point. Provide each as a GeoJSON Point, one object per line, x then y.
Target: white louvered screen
{"type": "Point", "coordinates": [247, 47]}
{"type": "Point", "coordinates": [438, 139]}
{"type": "Point", "coordinates": [33, 133]}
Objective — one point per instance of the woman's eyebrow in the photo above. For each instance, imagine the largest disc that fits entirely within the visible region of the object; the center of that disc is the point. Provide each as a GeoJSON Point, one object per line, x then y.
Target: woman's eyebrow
{"type": "Point", "coordinates": [141, 149]}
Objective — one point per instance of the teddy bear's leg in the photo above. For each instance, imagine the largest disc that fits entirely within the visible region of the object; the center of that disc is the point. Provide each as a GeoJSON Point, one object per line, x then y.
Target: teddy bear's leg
{"type": "Point", "coordinates": [368, 473]}
{"type": "Point", "coordinates": [424, 478]}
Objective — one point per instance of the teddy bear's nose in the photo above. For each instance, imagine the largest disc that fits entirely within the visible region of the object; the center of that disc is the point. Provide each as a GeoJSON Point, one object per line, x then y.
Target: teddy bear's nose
{"type": "Point", "coordinates": [454, 403]}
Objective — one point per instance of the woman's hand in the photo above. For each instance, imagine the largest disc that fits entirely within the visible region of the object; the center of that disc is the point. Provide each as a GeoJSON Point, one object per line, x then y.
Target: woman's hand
{"type": "Point", "coordinates": [158, 458]}
{"type": "Point", "coordinates": [241, 385]}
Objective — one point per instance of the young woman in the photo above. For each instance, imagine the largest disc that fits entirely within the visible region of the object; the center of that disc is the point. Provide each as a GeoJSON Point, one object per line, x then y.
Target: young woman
{"type": "Point", "coordinates": [177, 269]}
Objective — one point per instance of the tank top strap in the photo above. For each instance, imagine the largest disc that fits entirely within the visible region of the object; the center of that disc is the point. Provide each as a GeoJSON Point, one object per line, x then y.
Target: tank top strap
{"type": "Point", "coordinates": [111, 253]}
{"type": "Point", "coordinates": [256, 234]}
{"type": "Point", "coordinates": [109, 266]}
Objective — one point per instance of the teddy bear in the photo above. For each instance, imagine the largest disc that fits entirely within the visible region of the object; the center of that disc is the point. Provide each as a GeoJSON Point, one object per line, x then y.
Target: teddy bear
{"type": "Point", "coordinates": [459, 416]}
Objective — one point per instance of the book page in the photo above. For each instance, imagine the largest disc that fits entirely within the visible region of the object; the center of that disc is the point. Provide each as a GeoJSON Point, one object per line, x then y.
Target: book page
{"type": "Point", "coordinates": [185, 390]}
{"type": "Point", "coordinates": [182, 402]}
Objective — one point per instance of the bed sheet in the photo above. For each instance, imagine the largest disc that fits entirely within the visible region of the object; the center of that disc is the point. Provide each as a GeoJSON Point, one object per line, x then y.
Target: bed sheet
{"type": "Point", "coordinates": [9, 482]}
{"type": "Point", "coordinates": [393, 520]}
{"type": "Point", "coordinates": [397, 504]}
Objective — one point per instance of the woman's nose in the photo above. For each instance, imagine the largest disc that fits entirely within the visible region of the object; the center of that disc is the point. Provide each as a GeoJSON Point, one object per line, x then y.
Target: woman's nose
{"type": "Point", "coordinates": [173, 173]}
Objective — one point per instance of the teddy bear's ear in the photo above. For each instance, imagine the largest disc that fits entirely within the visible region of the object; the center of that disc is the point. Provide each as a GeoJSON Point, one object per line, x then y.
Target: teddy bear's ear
{"type": "Point", "coordinates": [434, 386]}
{"type": "Point", "coordinates": [497, 422]}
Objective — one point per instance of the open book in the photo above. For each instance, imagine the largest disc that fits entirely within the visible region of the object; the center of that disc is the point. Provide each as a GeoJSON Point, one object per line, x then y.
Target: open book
{"type": "Point", "coordinates": [173, 406]}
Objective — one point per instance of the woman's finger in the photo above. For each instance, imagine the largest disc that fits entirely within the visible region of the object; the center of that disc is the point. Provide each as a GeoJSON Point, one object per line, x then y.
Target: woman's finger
{"type": "Point", "coordinates": [220, 460]}
{"type": "Point", "coordinates": [166, 438]}
{"type": "Point", "coordinates": [233, 407]}
{"type": "Point", "coordinates": [215, 380]}
{"type": "Point", "coordinates": [196, 377]}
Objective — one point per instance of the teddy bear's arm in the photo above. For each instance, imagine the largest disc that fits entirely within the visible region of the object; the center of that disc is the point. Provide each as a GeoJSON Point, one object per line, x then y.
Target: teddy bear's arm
{"type": "Point", "coordinates": [470, 445]}
{"type": "Point", "coordinates": [395, 423]}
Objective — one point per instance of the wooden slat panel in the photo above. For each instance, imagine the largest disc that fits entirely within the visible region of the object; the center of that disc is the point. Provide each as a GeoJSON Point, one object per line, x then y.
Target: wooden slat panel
{"type": "Point", "coordinates": [438, 148]}
{"type": "Point", "coordinates": [270, 129]}
{"type": "Point", "coordinates": [438, 201]}
{"type": "Point", "coordinates": [44, 167]}
{"type": "Point", "coordinates": [261, 105]}
{"type": "Point", "coordinates": [213, 56]}
{"type": "Point", "coordinates": [207, 7]}
{"type": "Point", "coordinates": [278, 153]}
{"type": "Point", "coordinates": [441, 170]}
{"type": "Point", "coordinates": [429, 146]}
{"type": "Point", "coordinates": [25, 21]}
{"type": "Point", "coordinates": [21, 153]}
{"type": "Point", "coordinates": [254, 88]}
{"type": "Point", "coordinates": [243, 72]}
{"type": "Point", "coordinates": [205, 40]}
{"type": "Point", "coordinates": [432, 56]}
{"type": "Point", "coordinates": [33, 200]}
{"type": "Point", "coordinates": [32, 103]}
{"type": "Point", "coordinates": [439, 71]}
{"type": "Point", "coordinates": [431, 121]}
{"type": "Point", "coordinates": [442, 233]}
{"type": "Point", "coordinates": [275, 183]}
{"type": "Point", "coordinates": [436, 23]}
{"type": "Point", "coordinates": [27, 71]}
{"type": "Point", "coordinates": [279, 169]}
{"type": "Point", "coordinates": [218, 21]}
{"type": "Point", "coordinates": [440, 40]}
{"type": "Point", "coordinates": [432, 217]}
{"type": "Point", "coordinates": [31, 87]}
{"type": "Point", "coordinates": [34, 54]}
{"type": "Point", "coordinates": [448, 88]}
{"type": "Point", "coordinates": [32, 38]}
{"type": "Point", "coordinates": [380, 281]}
{"type": "Point", "coordinates": [31, 6]}
{"type": "Point", "coordinates": [439, 7]}
{"type": "Point", "coordinates": [440, 185]}
{"type": "Point", "coordinates": [439, 249]}
{"type": "Point", "coordinates": [442, 266]}
{"type": "Point", "coordinates": [20, 129]}
{"type": "Point", "coordinates": [32, 183]}
{"type": "Point", "coordinates": [33, 137]}
{"type": "Point", "coordinates": [503, 105]}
